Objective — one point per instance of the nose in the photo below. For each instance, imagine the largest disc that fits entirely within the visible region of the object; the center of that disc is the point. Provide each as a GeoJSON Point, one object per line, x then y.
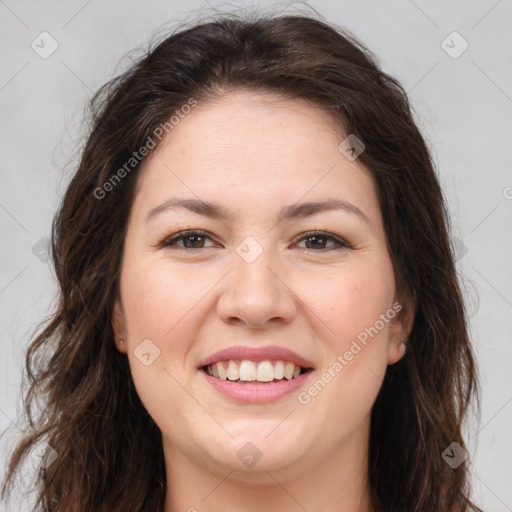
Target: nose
{"type": "Point", "coordinates": [256, 293]}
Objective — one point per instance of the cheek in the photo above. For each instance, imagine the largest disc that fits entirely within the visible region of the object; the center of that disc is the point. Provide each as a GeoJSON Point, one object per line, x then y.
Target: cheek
{"type": "Point", "coordinates": [355, 308]}
{"type": "Point", "coordinates": [356, 344]}
{"type": "Point", "coordinates": [159, 308]}
{"type": "Point", "coordinates": [350, 303]}
{"type": "Point", "coordinates": [350, 300]}
{"type": "Point", "coordinates": [161, 305]}
{"type": "Point", "coordinates": [157, 299]}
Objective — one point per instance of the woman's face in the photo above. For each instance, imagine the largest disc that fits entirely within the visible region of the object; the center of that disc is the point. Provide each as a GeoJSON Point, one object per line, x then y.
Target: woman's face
{"type": "Point", "coordinates": [256, 279]}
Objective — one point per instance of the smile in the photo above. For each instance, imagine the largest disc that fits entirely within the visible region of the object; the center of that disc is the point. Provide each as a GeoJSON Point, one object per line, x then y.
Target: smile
{"type": "Point", "coordinates": [255, 374]}
{"type": "Point", "coordinates": [260, 372]}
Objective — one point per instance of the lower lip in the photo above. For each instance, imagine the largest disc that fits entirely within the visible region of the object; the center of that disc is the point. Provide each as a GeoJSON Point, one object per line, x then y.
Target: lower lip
{"type": "Point", "coordinates": [256, 393]}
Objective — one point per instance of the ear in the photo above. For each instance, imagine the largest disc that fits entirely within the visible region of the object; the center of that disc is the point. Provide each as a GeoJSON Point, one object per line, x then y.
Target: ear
{"type": "Point", "coordinates": [119, 327]}
{"type": "Point", "coordinates": [400, 327]}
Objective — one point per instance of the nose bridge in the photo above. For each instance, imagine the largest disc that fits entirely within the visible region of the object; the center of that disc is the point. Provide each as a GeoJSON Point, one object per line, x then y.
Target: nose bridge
{"type": "Point", "coordinates": [255, 292]}
{"type": "Point", "coordinates": [252, 268]}
{"type": "Point", "coordinates": [252, 272]}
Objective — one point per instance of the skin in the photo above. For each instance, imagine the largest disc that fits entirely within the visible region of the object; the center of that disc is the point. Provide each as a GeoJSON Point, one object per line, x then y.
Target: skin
{"type": "Point", "coordinates": [253, 153]}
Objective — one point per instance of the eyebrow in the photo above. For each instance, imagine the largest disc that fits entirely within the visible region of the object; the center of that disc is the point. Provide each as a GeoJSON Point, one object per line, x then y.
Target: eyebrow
{"type": "Point", "coordinates": [294, 211]}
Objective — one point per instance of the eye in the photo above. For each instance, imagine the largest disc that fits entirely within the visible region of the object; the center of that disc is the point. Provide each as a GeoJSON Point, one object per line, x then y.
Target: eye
{"type": "Point", "coordinates": [192, 239]}
{"type": "Point", "coordinates": [318, 239]}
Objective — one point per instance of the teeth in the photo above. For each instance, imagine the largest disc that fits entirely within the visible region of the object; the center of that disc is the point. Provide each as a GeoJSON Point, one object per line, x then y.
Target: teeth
{"type": "Point", "coordinates": [288, 371]}
{"type": "Point", "coordinates": [223, 372]}
{"type": "Point", "coordinates": [247, 370]}
{"type": "Point", "coordinates": [250, 371]}
{"type": "Point", "coordinates": [233, 370]}
{"type": "Point", "coordinates": [279, 370]}
{"type": "Point", "coordinates": [265, 372]}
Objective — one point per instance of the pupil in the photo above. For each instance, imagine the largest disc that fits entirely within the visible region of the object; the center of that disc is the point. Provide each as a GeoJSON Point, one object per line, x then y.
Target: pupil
{"type": "Point", "coordinates": [316, 238]}
{"type": "Point", "coordinates": [188, 238]}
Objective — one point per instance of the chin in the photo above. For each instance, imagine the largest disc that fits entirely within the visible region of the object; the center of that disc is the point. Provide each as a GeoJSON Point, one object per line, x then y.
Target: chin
{"type": "Point", "coordinates": [255, 450]}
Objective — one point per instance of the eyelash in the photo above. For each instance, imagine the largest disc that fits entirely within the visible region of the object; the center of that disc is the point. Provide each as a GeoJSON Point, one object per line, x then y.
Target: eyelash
{"type": "Point", "coordinates": [171, 241]}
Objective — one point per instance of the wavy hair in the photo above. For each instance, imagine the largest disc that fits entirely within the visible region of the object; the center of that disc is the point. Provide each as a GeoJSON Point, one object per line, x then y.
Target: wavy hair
{"type": "Point", "coordinates": [109, 453]}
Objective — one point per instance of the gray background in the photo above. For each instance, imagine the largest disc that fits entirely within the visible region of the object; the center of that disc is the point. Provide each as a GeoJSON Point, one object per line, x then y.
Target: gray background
{"type": "Point", "coordinates": [463, 105]}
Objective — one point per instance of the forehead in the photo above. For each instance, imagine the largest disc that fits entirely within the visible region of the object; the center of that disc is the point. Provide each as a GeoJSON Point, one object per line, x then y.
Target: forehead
{"type": "Point", "coordinates": [253, 148]}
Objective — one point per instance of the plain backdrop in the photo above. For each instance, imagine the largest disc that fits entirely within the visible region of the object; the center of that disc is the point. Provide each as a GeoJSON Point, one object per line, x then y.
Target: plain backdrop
{"type": "Point", "coordinates": [460, 86]}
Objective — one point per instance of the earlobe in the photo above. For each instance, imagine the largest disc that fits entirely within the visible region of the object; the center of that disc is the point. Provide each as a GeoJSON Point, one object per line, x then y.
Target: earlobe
{"type": "Point", "coordinates": [400, 330]}
{"type": "Point", "coordinates": [396, 352]}
{"type": "Point", "coordinates": [119, 327]}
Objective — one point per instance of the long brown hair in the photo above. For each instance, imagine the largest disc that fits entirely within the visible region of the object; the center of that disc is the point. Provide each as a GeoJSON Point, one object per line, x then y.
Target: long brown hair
{"type": "Point", "coordinates": [109, 453]}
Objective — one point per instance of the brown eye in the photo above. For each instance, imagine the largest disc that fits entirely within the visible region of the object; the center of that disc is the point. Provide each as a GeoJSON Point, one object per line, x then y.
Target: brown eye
{"type": "Point", "coordinates": [317, 240]}
{"type": "Point", "coordinates": [191, 240]}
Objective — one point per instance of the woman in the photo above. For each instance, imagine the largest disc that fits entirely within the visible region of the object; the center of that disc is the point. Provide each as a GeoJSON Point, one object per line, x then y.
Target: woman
{"type": "Point", "coordinates": [259, 308]}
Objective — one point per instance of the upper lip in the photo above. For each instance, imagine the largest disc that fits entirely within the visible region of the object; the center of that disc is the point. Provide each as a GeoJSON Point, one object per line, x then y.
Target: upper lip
{"type": "Point", "coordinates": [240, 352]}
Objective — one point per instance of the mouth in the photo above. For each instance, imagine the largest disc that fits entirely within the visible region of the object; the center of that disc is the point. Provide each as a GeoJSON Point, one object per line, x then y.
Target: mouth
{"type": "Point", "coordinates": [246, 374]}
{"type": "Point", "coordinates": [250, 372]}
